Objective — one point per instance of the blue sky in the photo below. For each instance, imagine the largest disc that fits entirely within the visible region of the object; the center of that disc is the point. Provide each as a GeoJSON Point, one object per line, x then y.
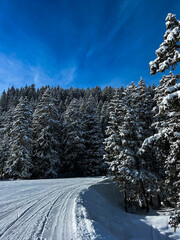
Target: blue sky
{"type": "Point", "coordinates": [80, 43]}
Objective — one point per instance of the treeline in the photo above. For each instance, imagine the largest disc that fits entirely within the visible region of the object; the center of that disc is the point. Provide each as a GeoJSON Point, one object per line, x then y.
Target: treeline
{"type": "Point", "coordinates": [53, 132]}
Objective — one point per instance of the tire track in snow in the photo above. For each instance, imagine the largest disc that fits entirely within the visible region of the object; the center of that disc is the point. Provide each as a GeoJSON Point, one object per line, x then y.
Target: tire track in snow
{"type": "Point", "coordinates": [22, 214]}
{"type": "Point", "coordinates": [62, 226]}
{"type": "Point", "coordinates": [28, 214]}
{"type": "Point", "coordinates": [20, 205]}
{"type": "Point", "coordinates": [49, 215]}
{"type": "Point", "coordinates": [44, 222]}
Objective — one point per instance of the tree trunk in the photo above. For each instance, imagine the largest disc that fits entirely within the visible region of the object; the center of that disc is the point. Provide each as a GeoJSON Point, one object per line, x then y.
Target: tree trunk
{"type": "Point", "coordinates": [125, 201]}
{"type": "Point", "coordinates": [159, 201]}
{"type": "Point", "coordinates": [150, 199]}
{"type": "Point", "coordinates": [145, 197]}
{"type": "Point", "coordinates": [2, 169]}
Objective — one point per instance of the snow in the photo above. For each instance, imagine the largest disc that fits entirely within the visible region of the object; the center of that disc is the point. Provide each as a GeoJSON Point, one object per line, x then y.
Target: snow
{"type": "Point", "coordinates": [103, 205]}
{"type": "Point", "coordinates": [161, 50]}
{"type": "Point", "coordinates": [74, 209]}
{"type": "Point", "coordinates": [170, 97]}
{"type": "Point", "coordinates": [177, 134]}
{"type": "Point", "coordinates": [40, 209]}
{"type": "Point", "coordinates": [173, 88]}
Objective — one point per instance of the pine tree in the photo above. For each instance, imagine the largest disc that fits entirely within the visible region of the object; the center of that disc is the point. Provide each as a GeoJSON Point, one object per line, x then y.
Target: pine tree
{"type": "Point", "coordinates": [114, 144]}
{"type": "Point", "coordinates": [170, 106]}
{"type": "Point", "coordinates": [93, 159]}
{"type": "Point", "coordinates": [168, 56]}
{"type": "Point", "coordinates": [73, 142]}
{"type": "Point", "coordinates": [144, 111]}
{"type": "Point", "coordinates": [1, 147]}
{"type": "Point", "coordinates": [19, 163]}
{"type": "Point", "coordinates": [113, 140]}
{"type": "Point", "coordinates": [46, 138]}
{"type": "Point", "coordinates": [168, 53]}
{"type": "Point", "coordinates": [3, 101]}
{"type": "Point", "coordinates": [129, 164]}
{"type": "Point", "coordinates": [6, 128]}
{"type": "Point", "coordinates": [99, 108]}
{"type": "Point", "coordinates": [104, 117]}
{"type": "Point", "coordinates": [155, 148]}
{"type": "Point", "coordinates": [126, 131]}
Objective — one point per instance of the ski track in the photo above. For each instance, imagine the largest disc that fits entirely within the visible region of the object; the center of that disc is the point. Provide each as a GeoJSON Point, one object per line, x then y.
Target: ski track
{"type": "Point", "coordinates": [45, 211]}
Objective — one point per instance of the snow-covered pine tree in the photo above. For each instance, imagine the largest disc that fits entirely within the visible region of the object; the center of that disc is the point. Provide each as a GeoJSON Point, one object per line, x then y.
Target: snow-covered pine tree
{"type": "Point", "coordinates": [6, 128]}
{"type": "Point", "coordinates": [144, 118]}
{"type": "Point", "coordinates": [19, 162]}
{"type": "Point", "coordinates": [135, 129]}
{"type": "Point", "coordinates": [170, 106]}
{"type": "Point", "coordinates": [129, 131]}
{"type": "Point", "coordinates": [104, 116]}
{"type": "Point", "coordinates": [99, 108]}
{"type": "Point", "coordinates": [1, 149]}
{"type": "Point", "coordinates": [113, 142]}
{"type": "Point", "coordinates": [155, 148]}
{"type": "Point", "coordinates": [107, 94]}
{"type": "Point", "coordinates": [113, 145]}
{"type": "Point", "coordinates": [46, 138]}
{"type": "Point", "coordinates": [93, 160]}
{"type": "Point", "coordinates": [144, 111]}
{"type": "Point", "coordinates": [73, 140]}
{"type": "Point", "coordinates": [3, 101]}
{"type": "Point", "coordinates": [168, 53]}
{"type": "Point", "coordinates": [168, 56]}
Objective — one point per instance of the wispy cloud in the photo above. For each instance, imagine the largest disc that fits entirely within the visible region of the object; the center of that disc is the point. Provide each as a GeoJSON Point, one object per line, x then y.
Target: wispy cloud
{"type": "Point", "coordinates": [125, 10]}
{"type": "Point", "coordinates": [15, 72]}
{"type": "Point", "coordinates": [11, 72]}
{"type": "Point", "coordinates": [67, 76]}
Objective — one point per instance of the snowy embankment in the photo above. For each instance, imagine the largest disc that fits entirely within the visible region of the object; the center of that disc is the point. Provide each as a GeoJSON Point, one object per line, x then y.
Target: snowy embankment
{"type": "Point", "coordinates": [72, 209]}
{"type": "Point", "coordinates": [109, 221]}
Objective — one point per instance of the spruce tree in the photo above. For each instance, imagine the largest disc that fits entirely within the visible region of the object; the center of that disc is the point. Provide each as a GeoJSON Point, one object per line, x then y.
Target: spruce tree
{"type": "Point", "coordinates": [129, 164]}
{"type": "Point", "coordinates": [104, 117]}
{"type": "Point", "coordinates": [73, 142]}
{"type": "Point", "coordinates": [46, 138]}
{"type": "Point", "coordinates": [126, 131]}
{"type": "Point", "coordinates": [113, 141]}
{"type": "Point", "coordinates": [168, 53]}
{"type": "Point", "coordinates": [3, 101]}
{"type": "Point", "coordinates": [168, 56]}
{"type": "Point", "coordinates": [94, 164]}
{"type": "Point", "coordinates": [19, 163]}
{"type": "Point", "coordinates": [6, 135]}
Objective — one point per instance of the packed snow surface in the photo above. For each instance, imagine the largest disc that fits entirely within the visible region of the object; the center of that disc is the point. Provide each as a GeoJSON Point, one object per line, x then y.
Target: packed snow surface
{"type": "Point", "coordinates": [73, 209]}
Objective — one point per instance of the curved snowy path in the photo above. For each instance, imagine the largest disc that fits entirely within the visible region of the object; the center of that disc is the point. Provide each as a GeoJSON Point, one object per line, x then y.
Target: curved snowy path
{"type": "Point", "coordinates": [44, 209]}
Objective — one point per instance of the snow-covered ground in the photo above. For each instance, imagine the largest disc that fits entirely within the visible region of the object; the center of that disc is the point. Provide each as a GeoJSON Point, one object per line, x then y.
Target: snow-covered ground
{"type": "Point", "coordinates": [103, 206]}
{"type": "Point", "coordinates": [73, 209]}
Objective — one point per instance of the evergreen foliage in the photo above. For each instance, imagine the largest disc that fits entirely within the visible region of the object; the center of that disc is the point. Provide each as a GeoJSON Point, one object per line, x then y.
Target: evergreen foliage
{"type": "Point", "coordinates": [93, 139]}
{"type": "Point", "coordinates": [45, 138]}
{"type": "Point", "coordinates": [168, 53]}
{"type": "Point", "coordinates": [19, 163]}
{"type": "Point", "coordinates": [73, 140]}
{"type": "Point", "coordinates": [168, 116]}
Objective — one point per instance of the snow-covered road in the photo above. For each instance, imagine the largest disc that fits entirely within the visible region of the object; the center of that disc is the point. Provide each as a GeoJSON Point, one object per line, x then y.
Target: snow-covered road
{"type": "Point", "coordinates": [43, 209]}
{"type": "Point", "coordinates": [74, 209]}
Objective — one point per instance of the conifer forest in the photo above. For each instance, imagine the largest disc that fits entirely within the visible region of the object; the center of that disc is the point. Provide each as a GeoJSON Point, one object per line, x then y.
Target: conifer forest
{"type": "Point", "coordinates": [131, 134]}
